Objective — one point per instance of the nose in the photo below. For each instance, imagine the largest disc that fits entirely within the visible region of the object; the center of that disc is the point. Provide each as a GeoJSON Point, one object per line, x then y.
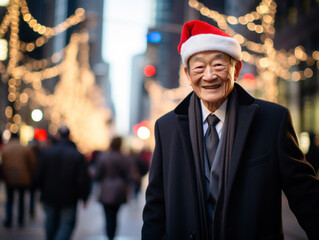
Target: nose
{"type": "Point", "coordinates": [209, 74]}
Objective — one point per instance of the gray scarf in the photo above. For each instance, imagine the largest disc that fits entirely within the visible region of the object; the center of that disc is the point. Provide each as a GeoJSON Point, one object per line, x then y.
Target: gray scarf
{"type": "Point", "coordinates": [219, 170]}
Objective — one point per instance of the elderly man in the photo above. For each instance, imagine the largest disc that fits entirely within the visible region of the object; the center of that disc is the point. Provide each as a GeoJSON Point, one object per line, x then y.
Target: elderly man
{"type": "Point", "coordinates": [222, 157]}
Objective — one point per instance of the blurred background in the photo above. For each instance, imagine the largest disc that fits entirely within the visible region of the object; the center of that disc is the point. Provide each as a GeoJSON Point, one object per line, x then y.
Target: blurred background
{"type": "Point", "coordinates": [111, 67]}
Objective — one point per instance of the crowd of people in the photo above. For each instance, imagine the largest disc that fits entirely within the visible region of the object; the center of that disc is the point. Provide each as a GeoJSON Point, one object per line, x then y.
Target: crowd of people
{"type": "Point", "coordinates": [64, 178]}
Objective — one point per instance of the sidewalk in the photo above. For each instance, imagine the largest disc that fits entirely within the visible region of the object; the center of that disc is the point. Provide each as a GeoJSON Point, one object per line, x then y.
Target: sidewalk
{"type": "Point", "coordinates": [90, 221]}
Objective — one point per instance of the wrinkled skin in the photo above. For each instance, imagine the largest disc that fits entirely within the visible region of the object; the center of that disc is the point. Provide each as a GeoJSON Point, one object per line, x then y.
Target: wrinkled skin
{"type": "Point", "coordinates": [212, 74]}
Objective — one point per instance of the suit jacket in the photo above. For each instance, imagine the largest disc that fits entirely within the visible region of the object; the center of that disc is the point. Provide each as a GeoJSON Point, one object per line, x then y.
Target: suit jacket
{"type": "Point", "coordinates": [266, 159]}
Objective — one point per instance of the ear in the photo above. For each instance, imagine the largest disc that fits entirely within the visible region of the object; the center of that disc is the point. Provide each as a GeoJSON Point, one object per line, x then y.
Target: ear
{"type": "Point", "coordinates": [238, 66]}
{"type": "Point", "coordinates": [187, 75]}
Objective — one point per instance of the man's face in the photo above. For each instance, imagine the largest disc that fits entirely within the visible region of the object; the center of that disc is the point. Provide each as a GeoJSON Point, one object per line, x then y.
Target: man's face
{"type": "Point", "coordinates": [212, 75]}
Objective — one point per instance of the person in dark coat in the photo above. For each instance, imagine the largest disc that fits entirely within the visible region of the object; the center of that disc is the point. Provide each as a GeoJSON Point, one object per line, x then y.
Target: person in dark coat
{"type": "Point", "coordinates": [312, 155]}
{"type": "Point", "coordinates": [238, 194]}
{"type": "Point", "coordinates": [113, 172]}
{"type": "Point", "coordinates": [63, 179]}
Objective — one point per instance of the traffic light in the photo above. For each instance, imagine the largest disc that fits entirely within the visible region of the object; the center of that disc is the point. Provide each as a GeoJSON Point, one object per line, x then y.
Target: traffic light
{"type": "Point", "coordinates": [154, 37]}
{"type": "Point", "coordinates": [149, 70]}
{"type": "Point", "coordinates": [40, 134]}
{"type": "Point", "coordinates": [142, 130]}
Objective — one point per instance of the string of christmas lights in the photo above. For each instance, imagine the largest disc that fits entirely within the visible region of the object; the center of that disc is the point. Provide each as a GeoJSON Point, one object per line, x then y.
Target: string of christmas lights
{"type": "Point", "coordinates": [76, 100]}
{"type": "Point", "coordinates": [13, 73]}
{"type": "Point", "coordinates": [47, 32]}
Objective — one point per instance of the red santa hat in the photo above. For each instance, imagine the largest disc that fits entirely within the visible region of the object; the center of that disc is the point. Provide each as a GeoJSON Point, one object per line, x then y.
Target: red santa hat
{"type": "Point", "coordinates": [198, 36]}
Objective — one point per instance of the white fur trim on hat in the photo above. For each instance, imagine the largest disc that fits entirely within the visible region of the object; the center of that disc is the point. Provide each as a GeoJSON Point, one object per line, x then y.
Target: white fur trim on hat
{"type": "Point", "coordinates": [210, 42]}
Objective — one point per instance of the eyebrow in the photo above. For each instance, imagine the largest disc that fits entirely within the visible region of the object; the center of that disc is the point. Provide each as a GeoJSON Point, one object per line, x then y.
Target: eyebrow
{"type": "Point", "coordinates": [216, 56]}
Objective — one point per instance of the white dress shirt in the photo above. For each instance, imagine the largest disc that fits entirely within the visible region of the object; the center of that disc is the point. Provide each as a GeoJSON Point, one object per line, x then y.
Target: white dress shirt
{"type": "Point", "coordinates": [220, 113]}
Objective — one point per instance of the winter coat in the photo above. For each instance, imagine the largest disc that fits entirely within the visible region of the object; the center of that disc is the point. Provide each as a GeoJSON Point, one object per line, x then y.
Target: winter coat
{"type": "Point", "coordinates": [113, 172]}
{"type": "Point", "coordinates": [18, 164]}
{"type": "Point", "coordinates": [62, 175]}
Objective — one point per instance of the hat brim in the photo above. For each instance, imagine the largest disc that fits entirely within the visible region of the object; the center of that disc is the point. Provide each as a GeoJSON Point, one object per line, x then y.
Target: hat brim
{"type": "Point", "coordinates": [210, 42]}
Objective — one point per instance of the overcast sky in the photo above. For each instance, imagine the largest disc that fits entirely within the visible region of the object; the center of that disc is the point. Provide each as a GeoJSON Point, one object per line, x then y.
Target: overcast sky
{"type": "Point", "coordinates": [124, 35]}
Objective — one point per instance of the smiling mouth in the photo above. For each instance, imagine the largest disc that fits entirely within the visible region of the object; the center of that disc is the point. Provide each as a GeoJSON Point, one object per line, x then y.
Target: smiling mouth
{"type": "Point", "coordinates": [216, 86]}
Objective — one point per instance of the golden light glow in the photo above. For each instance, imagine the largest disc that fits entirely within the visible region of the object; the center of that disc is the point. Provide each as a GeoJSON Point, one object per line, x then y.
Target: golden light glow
{"type": "Point", "coordinates": [11, 97]}
{"type": "Point", "coordinates": [48, 32]}
{"type": "Point", "coordinates": [76, 100]}
{"type": "Point", "coordinates": [8, 112]}
{"type": "Point", "coordinates": [14, 128]}
{"type": "Point", "coordinates": [17, 119]}
{"type": "Point", "coordinates": [24, 98]}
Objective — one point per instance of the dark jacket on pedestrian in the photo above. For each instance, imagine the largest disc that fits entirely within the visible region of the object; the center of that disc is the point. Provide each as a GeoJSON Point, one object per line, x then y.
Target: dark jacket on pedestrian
{"type": "Point", "coordinates": [62, 175]}
{"type": "Point", "coordinates": [312, 155]}
{"type": "Point", "coordinates": [113, 171]}
{"type": "Point", "coordinates": [265, 160]}
{"type": "Point", "coordinates": [18, 164]}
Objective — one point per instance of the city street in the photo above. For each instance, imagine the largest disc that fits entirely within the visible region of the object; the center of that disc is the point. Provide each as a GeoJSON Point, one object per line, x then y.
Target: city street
{"type": "Point", "coordinates": [90, 224]}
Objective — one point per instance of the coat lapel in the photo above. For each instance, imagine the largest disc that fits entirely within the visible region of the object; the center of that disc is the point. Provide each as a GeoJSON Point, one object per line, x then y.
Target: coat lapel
{"type": "Point", "coordinates": [245, 117]}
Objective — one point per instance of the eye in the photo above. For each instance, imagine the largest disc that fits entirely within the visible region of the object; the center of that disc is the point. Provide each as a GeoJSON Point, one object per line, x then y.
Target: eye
{"type": "Point", "coordinates": [218, 66]}
{"type": "Point", "coordinates": [198, 68]}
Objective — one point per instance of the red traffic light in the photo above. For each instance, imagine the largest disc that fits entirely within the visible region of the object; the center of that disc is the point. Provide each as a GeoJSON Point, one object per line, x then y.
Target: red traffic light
{"type": "Point", "coordinates": [40, 134]}
{"type": "Point", "coordinates": [149, 70]}
{"type": "Point", "coordinates": [142, 130]}
{"type": "Point", "coordinates": [248, 76]}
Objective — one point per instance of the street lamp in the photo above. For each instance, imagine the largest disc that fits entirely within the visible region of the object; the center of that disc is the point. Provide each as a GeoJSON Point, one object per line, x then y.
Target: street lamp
{"type": "Point", "coordinates": [36, 115]}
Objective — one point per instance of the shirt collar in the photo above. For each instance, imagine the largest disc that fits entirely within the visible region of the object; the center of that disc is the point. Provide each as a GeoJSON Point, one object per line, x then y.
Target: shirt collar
{"type": "Point", "coordinates": [220, 112]}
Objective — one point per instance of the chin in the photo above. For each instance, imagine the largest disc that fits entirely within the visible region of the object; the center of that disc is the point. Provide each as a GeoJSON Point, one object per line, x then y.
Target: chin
{"type": "Point", "coordinates": [213, 99]}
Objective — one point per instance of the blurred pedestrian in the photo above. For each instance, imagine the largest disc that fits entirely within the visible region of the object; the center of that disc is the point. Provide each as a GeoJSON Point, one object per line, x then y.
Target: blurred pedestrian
{"type": "Point", "coordinates": [18, 168]}
{"type": "Point", "coordinates": [1, 143]}
{"type": "Point", "coordinates": [312, 155]}
{"type": "Point", "coordinates": [50, 141]}
{"type": "Point", "coordinates": [113, 171]}
{"type": "Point", "coordinates": [36, 149]}
{"type": "Point", "coordinates": [1, 146]}
{"type": "Point", "coordinates": [139, 165]}
{"type": "Point", "coordinates": [222, 157]}
{"type": "Point", "coordinates": [63, 179]}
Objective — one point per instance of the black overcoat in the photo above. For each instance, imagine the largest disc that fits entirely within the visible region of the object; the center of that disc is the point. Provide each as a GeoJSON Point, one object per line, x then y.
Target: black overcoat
{"type": "Point", "coordinates": [62, 175]}
{"type": "Point", "coordinates": [266, 159]}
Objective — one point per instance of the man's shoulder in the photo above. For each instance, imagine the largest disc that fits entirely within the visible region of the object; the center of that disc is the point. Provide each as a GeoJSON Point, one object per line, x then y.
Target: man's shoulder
{"type": "Point", "coordinates": [270, 111]}
{"type": "Point", "coordinates": [180, 110]}
{"type": "Point", "coordinates": [167, 116]}
{"type": "Point", "coordinates": [61, 150]}
{"type": "Point", "coordinates": [271, 106]}
{"type": "Point", "coordinates": [263, 105]}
